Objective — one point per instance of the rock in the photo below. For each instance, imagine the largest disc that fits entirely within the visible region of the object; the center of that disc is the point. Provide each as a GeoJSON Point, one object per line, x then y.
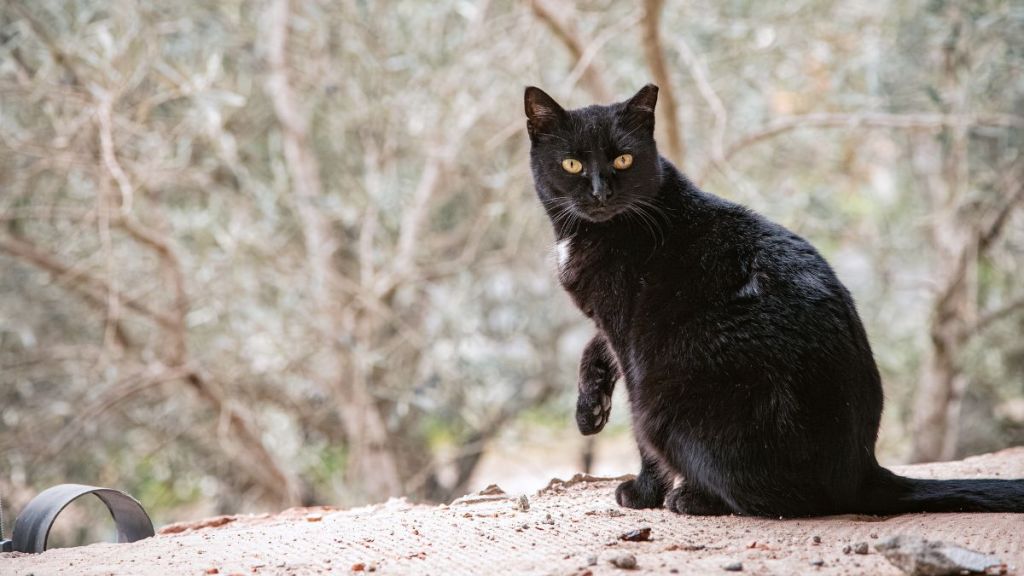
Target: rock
{"type": "Point", "coordinates": [818, 562]}
{"type": "Point", "coordinates": [733, 567]}
{"type": "Point", "coordinates": [860, 548]}
{"type": "Point", "coordinates": [626, 561]}
{"type": "Point", "coordinates": [919, 557]}
{"type": "Point", "coordinates": [523, 504]}
{"type": "Point", "coordinates": [492, 490]}
{"type": "Point", "coordinates": [592, 560]}
{"type": "Point", "coordinates": [638, 535]}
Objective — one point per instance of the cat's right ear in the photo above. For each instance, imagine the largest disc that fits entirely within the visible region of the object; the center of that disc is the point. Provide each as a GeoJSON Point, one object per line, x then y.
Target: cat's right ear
{"type": "Point", "coordinates": [542, 112]}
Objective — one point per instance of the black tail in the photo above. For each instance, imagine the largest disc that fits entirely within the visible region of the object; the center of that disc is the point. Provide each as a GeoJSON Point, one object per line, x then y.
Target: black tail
{"type": "Point", "coordinates": [886, 493]}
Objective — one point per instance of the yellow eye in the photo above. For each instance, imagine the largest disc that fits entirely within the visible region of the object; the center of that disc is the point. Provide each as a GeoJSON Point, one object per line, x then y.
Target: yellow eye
{"type": "Point", "coordinates": [572, 166]}
{"type": "Point", "coordinates": [623, 162]}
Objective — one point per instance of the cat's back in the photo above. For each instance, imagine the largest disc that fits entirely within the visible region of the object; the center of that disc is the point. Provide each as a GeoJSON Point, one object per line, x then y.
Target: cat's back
{"type": "Point", "coordinates": [765, 257]}
{"type": "Point", "coordinates": [734, 276]}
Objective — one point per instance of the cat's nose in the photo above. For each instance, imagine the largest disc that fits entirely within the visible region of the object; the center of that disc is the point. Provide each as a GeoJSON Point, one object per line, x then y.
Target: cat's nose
{"type": "Point", "coordinates": [600, 190]}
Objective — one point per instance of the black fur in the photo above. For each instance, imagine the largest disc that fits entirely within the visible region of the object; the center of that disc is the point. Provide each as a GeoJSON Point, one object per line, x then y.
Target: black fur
{"type": "Point", "coordinates": [748, 370]}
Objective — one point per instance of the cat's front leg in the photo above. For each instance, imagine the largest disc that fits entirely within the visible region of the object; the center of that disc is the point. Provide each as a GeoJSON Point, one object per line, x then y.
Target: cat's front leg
{"type": "Point", "coordinates": [648, 489]}
{"type": "Point", "coordinates": [598, 373]}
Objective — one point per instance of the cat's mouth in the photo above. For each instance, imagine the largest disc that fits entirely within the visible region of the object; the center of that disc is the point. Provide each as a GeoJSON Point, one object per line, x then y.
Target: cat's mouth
{"type": "Point", "coordinates": [600, 213]}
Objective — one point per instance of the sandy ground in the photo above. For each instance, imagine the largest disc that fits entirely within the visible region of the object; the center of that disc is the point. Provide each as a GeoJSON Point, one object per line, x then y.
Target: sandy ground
{"type": "Point", "coordinates": [570, 528]}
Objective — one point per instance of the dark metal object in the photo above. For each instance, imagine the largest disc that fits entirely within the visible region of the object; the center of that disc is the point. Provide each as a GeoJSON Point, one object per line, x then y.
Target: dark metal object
{"type": "Point", "coordinates": [32, 528]}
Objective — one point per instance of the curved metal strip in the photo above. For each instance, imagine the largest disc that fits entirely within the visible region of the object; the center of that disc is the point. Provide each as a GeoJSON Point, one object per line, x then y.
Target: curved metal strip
{"type": "Point", "coordinates": [32, 527]}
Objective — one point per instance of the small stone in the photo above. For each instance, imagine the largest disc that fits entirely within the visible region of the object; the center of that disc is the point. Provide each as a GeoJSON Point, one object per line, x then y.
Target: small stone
{"type": "Point", "coordinates": [733, 567]}
{"type": "Point", "coordinates": [358, 567]}
{"type": "Point", "coordinates": [492, 490]}
{"type": "Point", "coordinates": [638, 535]}
{"type": "Point", "coordinates": [860, 548]}
{"type": "Point", "coordinates": [592, 560]}
{"type": "Point", "coordinates": [818, 562]}
{"type": "Point", "coordinates": [626, 561]}
{"type": "Point", "coordinates": [847, 549]}
{"type": "Point", "coordinates": [919, 557]}
{"type": "Point", "coordinates": [816, 540]}
{"type": "Point", "coordinates": [523, 504]}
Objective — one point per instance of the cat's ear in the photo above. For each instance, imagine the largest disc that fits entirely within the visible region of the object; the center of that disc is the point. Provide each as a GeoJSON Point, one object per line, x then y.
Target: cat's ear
{"type": "Point", "coordinates": [640, 107]}
{"type": "Point", "coordinates": [542, 112]}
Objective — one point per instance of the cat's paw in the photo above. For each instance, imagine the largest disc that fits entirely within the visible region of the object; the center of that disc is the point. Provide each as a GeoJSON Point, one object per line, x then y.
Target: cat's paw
{"type": "Point", "coordinates": [637, 494]}
{"type": "Point", "coordinates": [683, 500]}
{"type": "Point", "coordinates": [592, 412]}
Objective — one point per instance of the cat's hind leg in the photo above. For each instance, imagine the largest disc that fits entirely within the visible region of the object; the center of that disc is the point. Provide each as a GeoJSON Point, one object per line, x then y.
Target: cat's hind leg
{"type": "Point", "coordinates": [689, 499]}
{"type": "Point", "coordinates": [648, 489]}
{"type": "Point", "coordinates": [598, 373]}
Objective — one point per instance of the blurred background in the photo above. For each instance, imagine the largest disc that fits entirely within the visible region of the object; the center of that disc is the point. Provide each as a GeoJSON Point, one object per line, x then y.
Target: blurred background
{"type": "Point", "coordinates": [258, 254]}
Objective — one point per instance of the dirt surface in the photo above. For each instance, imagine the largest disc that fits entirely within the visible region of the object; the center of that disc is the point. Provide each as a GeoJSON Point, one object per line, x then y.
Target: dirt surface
{"type": "Point", "coordinates": [570, 527]}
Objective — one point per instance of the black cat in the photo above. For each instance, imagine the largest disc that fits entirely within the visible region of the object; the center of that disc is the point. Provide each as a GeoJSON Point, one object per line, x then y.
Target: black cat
{"type": "Point", "coordinates": [748, 370]}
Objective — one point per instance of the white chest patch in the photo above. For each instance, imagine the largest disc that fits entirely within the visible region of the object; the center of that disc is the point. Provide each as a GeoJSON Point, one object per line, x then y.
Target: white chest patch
{"type": "Point", "coordinates": [562, 252]}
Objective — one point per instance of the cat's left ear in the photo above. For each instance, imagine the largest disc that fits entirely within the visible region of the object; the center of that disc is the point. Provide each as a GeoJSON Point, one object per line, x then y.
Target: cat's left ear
{"type": "Point", "coordinates": [641, 106]}
{"type": "Point", "coordinates": [542, 112]}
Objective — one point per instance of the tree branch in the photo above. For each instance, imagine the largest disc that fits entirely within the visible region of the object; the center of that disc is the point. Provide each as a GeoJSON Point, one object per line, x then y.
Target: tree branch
{"type": "Point", "coordinates": [860, 120]}
{"type": "Point", "coordinates": [656, 61]}
{"type": "Point", "coordinates": [91, 288]}
{"type": "Point", "coordinates": [303, 166]}
{"type": "Point", "coordinates": [573, 41]}
{"type": "Point", "coordinates": [991, 317]}
{"type": "Point", "coordinates": [698, 71]}
{"type": "Point", "coordinates": [1014, 185]}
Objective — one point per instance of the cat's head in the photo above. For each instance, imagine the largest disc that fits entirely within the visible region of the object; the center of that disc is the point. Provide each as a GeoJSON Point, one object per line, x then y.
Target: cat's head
{"type": "Point", "coordinates": [595, 162]}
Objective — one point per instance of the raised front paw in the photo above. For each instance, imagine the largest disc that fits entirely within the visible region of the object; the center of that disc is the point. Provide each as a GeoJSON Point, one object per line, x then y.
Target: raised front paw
{"type": "Point", "coordinates": [592, 411]}
{"type": "Point", "coordinates": [639, 494]}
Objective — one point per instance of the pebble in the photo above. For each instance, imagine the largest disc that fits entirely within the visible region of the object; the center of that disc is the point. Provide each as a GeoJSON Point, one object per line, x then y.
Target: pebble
{"type": "Point", "coordinates": [523, 504]}
{"type": "Point", "coordinates": [818, 562]}
{"type": "Point", "coordinates": [733, 567]}
{"type": "Point", "coordinates": [592, 560]}
{"type": "Point", "coordinates": [638, 535]}
{"type": "Point", "coordinates": [860, 548]}
{"type": "Point", "coordinates": [626, 561]}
